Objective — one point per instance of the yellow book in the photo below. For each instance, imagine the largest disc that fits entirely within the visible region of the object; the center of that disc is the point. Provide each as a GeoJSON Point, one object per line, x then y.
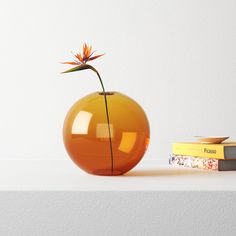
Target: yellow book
{"type": "Point", "coordinates": [219, 151]}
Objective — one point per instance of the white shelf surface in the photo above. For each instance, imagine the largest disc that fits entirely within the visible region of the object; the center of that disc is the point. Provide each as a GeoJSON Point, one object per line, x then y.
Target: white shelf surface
{"type": "Point", "coordinates": [54, 197]}
{"type": "Point", "coordinates": [148, 175]}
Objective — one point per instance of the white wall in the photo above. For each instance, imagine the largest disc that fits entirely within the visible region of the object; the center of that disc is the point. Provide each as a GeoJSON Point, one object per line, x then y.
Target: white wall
{"type": "Point", "coordinates": [176, 58]}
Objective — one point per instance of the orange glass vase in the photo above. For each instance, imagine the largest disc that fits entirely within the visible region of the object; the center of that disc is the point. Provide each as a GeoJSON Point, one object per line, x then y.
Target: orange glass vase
{"type": "Point", "coordinates": [102, 149]}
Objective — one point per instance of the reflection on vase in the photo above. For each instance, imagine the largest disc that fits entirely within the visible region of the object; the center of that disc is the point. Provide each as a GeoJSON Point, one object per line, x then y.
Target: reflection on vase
{"type": "Point", "coordinates": [86, 133]}
{"type": "Point", "coordinates": [81, 123]}
{"type": "Point", "coordinates": [127, 142]}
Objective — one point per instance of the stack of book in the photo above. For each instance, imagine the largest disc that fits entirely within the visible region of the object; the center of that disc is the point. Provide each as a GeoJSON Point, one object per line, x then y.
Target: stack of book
{"type": "Point", "coordinates": [204, 156]}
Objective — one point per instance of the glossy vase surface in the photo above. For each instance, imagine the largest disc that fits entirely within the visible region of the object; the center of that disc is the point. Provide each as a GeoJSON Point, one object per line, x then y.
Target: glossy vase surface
{"type": "Point", "coordinates": [102, 149]}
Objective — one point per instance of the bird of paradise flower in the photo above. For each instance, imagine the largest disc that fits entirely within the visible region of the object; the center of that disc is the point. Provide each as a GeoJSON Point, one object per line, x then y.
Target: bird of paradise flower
{"type": "Point", "coordinates": [81, 64]}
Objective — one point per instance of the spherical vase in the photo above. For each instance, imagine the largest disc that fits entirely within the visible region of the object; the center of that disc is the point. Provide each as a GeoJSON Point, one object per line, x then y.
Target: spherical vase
{"type": "Point", "coordinates": [106, 142]}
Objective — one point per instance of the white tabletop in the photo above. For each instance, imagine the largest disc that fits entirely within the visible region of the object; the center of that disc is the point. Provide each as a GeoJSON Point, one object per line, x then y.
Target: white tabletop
{"type": "Point", "coordinates": [148, 175]}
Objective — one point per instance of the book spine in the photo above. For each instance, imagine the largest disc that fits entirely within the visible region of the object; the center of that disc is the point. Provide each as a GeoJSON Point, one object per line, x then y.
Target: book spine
{"type": "Point", "coordinates": [199, 150]}
{"type": "Point", "coordinates": [194, 162]}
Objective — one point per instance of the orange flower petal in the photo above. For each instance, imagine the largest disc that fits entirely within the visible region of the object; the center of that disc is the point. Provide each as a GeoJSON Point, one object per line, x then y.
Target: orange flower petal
{"type": "Point", "coordinates": [89, 51]}
{"type": "Point", "coordinates": [82, 59]}
{"type": "Point", "coordinates": [71, 63]}
{"type": "Point", "coordinates": [79, 57]}
{"type": "Point", "coordinates": [85, 48]}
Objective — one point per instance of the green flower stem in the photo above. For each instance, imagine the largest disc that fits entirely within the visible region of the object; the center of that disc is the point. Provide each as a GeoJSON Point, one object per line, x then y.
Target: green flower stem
{"type": "Point", "coordinates": [85, 66]}
{"type": "Point", "coordinates": [107, 115]}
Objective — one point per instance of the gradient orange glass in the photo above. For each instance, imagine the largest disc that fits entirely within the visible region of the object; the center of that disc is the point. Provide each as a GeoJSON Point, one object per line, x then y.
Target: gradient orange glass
{"type": "Point", "coordinates": [86, 133]}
